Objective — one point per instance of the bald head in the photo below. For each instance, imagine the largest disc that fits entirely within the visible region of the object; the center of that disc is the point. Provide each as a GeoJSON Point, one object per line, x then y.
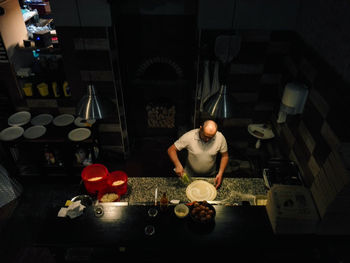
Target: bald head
{"type": "Point", "coordinates": [210, 127]}
{"type": "Point", "coordinates": [208, 130]}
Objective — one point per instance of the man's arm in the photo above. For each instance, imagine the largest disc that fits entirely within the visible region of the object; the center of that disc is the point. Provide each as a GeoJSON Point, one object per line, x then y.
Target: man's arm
{"type": "Point", "coordinates": [223, 164]}
{"type": "Point", "coordinates": [172, 152]}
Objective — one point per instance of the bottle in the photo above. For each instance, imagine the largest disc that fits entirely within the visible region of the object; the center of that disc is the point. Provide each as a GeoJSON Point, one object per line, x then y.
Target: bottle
{"type": "Point", "coordinates": [66, 89]}
{"type": "Point", "coordinates": [55, 90]}
{"type": "Point", "coordinates": [163, 203]}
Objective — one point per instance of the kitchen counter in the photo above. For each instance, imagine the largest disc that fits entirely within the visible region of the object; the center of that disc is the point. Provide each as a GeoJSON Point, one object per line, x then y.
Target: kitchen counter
{"type": "Point", "coordinates": [233, 191]}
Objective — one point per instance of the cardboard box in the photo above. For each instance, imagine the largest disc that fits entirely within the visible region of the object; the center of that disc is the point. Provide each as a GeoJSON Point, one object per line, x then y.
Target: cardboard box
{"type": "Point", "coordinates": [291, 210]}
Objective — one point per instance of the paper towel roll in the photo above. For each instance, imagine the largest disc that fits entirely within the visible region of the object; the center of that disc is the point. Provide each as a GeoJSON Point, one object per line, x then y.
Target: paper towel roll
{"type": "Point", "coordinates": [294, 96]}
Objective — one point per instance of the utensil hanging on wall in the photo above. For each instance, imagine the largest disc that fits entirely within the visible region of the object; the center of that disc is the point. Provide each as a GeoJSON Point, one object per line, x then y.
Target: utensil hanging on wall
{"type": "Point", "coordinates": [221, 104]}
{"type": "Point", "coordinates": [215, 86]}
{"type": "Point", "coordinates": [226, 48]}
{"type": "Point", "coordinates": [206, 84]}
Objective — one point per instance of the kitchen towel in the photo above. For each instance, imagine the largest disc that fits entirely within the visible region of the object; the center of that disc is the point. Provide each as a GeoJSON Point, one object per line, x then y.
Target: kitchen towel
{"type": "Point", "coordinates": [215, 86]}
{"type": "Point", "coordinates": [74, 210]}
{"type": "Point", "coordinates": [206, 84]}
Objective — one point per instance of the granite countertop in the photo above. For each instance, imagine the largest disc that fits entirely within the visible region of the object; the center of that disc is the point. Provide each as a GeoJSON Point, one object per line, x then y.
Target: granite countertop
{"type": "Point", "coordinates": [232, 191]}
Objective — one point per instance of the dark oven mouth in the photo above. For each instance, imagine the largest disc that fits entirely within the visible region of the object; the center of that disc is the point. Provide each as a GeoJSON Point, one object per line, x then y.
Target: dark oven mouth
{"type": "Point", "coordinates": [157, 84]}
{"type": "Point", "coordinates": [160, 114]}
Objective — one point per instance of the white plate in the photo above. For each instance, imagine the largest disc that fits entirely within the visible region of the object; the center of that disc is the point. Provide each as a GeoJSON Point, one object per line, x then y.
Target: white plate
{"type": "Point", "coordinates": [80, 122]}
{"type": "Point", "coordinates": [63, 120]}
{"type": "Point", "coordinates": [267, 132]}
{"type": "Point", "coordinates": [200, 190]}
{"type": "Point", "coordinates": [34, 132]}
{"type": "Point", "coordinates": [19, 118]}
{"type": "Point", "coordinates": [79, 134]}
{"type": "Point", "coordinates": [11, 133]}
{"type": "Point", "coordinates": [42, 119]}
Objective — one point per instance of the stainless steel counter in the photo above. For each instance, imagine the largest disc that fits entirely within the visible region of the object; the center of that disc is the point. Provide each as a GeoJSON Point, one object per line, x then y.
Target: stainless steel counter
{"type": "Point", "coordinates": [232, 191]}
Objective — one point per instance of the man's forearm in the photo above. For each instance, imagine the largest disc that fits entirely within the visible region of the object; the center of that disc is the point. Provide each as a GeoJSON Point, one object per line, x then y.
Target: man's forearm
{"type": "Point", "coordinates": [223, 163]}
{"type": "Point", "coordinates": [172, 152]}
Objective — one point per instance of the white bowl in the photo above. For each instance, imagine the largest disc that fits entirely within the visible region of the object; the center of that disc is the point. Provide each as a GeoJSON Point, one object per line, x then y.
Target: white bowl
{"type": "Point", "coordinates": [181, 210]}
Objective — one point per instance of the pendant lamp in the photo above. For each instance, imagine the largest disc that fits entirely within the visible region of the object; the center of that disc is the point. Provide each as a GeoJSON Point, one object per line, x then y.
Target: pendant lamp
{"type": "Point", "coordinates": [92, 106]}
{"type": "Point", "coordinates": [220, 105]}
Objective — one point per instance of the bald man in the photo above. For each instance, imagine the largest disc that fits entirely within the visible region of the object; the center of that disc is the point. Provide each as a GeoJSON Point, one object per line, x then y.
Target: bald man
{"type": "Point", "coordinates": [203, 145]}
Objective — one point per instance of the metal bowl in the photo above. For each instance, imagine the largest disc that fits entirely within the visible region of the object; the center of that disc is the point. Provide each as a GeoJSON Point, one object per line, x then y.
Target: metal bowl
{"type": "Point", "coordinates": [85, 199]}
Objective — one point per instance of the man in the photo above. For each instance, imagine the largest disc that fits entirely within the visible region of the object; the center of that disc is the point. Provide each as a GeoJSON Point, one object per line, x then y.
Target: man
{"type": "Point", "coordinates": [203, 145]}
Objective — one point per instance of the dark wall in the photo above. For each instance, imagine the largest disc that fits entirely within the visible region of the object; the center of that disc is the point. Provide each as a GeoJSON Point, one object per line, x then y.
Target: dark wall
{"type": "Point", "coordinates": [325, 26]}
{"type": "Point", "coordinates": [318, 139]}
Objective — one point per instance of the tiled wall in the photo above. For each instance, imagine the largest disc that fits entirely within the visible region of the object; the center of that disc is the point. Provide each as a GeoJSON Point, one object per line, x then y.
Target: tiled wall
{"type": "Point", "coordinates": [318, 138]}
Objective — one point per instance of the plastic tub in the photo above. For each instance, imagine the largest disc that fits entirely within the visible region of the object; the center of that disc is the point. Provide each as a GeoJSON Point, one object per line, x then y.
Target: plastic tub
{"type": "Point", "coordinates": [107, 190]}
{"type": "Point", "coordinates": [181, 210]}
{"type": "Point", "coordinates": [118, 182]}
{"type": "Point", "coordinates": [95, 178]}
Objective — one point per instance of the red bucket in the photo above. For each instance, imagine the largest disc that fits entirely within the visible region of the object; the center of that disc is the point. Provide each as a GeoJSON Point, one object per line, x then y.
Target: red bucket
{"type": "Point", "coordinates": [118, 181]}
{"type": "Point", "coordinates": [95, 178]}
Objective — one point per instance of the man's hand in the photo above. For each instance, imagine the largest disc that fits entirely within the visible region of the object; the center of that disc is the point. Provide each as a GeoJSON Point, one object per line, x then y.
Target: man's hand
{"type": "Point", "coordinates": [179, 170]}
{"type": "Point", "coordinates": [218, 180]}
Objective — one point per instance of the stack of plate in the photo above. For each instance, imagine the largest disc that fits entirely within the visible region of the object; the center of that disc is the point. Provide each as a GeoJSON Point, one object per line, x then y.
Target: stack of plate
{"type": "Point", "coordinates": [42, 119]}
{"type": "Point", "coordinates": [19, 118]}
{"type": "Point", "coordinates": [34, 132]}
{"type": "Point", "coordinates": [11, 133]}
{"type": "Point", "coordinates": [79, 134]}
{"type": "Point", "coordinates": [16, 120]}
{"type": "Point", "coordinates": [63, 120]}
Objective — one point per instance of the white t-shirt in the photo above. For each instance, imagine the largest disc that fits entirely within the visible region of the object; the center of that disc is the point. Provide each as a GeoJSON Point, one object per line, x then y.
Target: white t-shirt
{"type": "Point", "coordinates": [201, 155]}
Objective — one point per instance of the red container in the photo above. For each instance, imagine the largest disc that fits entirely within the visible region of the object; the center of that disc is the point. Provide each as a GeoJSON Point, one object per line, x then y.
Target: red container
{"type": "Point", "coordinates": [95, 178]}
{"type": "Point", "coordinates": [114, 182]}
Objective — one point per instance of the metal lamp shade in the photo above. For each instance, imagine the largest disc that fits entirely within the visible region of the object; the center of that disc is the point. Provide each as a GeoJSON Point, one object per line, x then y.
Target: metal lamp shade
{"type": "Point", "coordinates": [93, 107]}
{"type": "Point", "coordinates": [220, 105]}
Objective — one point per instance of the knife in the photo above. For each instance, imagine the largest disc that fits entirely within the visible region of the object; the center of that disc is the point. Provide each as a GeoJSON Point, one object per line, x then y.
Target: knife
{"type": "Point", "coordinates": [155, 196]}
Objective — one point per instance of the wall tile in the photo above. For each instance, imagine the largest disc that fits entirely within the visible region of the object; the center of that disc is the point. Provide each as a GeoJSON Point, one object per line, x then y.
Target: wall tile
{"type": "Point", "coordinates": [319, 102]}
{"type": "Point", "coordinates": [287, 135]}
{"type": "Point", "coordinates": [328, 189]}
{"type": "Point", "coordinates": [339, 168]}
{"type": "Point", "coordinates": [306, 136]}
{"type": "Point", "coordinates": [322, 150]}
{"type": "Point", "coordinates": [307, 70]}
{"type": "Point", "coordinates": [303, 156]}
{"type": "Point", "coordinates": [313, 120]}
{"type": "Point", "coordinates": [336, 118]}
{"type": "Point", "coordinates": [313, 166]}
{"type": "Point", "coordinates": [290, 66]}
{"type": "Point", "coordinates": [293, 122]}
{"type": "Point", "coordinates": [333, 178]}
{"type": "Point", "coordinates": [329, 136]}
{"type": "Point", "coordinates": [319, 197]}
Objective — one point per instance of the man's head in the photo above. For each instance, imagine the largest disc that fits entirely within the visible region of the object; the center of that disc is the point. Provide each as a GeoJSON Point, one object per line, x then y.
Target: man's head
{"type": "Point", "coordinates": [208, 130]}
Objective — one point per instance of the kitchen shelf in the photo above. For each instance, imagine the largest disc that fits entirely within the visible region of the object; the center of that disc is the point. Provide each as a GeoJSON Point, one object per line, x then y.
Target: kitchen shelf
{"type": "Point", "coordinates": [28, 155]}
